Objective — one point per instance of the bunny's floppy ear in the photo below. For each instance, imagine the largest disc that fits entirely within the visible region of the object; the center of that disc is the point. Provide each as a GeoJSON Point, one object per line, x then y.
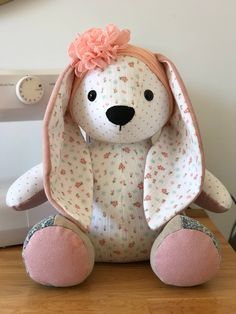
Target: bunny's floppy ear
{"type": "Point", "coordinates": [68, 175]}
{"type": "Point", "coordinates": [174, 168]}
{"type": "Point", "coordinates": [68, 178]}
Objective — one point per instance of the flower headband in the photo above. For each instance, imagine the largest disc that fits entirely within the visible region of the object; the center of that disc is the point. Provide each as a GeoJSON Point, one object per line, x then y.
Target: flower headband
{"type": "Point", "coordinates": [97, 48]}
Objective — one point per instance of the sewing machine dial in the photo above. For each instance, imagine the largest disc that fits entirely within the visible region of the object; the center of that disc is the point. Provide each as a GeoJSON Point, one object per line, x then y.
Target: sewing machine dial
{"type": "Point", "coordinates": [29, 90]}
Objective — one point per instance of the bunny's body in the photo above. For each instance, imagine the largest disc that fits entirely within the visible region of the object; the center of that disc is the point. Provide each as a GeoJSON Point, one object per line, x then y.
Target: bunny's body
{"type": "Point", "coordinates": [119, 231]}
{"type": "Point", "coordinates": [120, 196]}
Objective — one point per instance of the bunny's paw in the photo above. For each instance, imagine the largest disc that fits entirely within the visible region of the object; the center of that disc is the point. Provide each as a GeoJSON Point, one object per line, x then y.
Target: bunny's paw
{"type": "Point", "coordinates": [57, 253]}
{"type": "Point", "coordinates": [185, 253]}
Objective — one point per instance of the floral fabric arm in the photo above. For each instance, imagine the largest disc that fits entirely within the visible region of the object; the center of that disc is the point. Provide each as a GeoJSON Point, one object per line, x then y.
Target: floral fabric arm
{"type": "Point", "coordinates": [214, 196]}
{"type": "Point", "coordinates": [28, 190]}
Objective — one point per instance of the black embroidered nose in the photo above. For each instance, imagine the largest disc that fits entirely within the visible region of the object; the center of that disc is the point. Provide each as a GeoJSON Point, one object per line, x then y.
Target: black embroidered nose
{"type": "Point", "coordinates": [120, 115]}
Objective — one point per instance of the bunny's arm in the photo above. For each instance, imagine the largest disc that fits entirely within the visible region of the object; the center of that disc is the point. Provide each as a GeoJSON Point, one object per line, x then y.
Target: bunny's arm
{"type": "Point", "coordinates": [28, 190]}
{"type": "Point", "coordinates": [214, 196]}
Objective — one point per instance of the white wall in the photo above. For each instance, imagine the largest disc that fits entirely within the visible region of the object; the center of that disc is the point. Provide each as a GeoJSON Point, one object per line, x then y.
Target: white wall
{"type": "Point", "coordinates": [199, 36]}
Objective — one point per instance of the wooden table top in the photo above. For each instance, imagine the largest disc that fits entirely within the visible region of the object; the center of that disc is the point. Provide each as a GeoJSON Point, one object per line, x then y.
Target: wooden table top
{"type": "Point", "coordinates": [118, 288]}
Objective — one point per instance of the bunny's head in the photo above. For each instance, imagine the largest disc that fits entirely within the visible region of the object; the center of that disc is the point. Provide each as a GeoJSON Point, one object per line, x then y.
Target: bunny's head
{"type": "Point", "coordinates": [124, 103]}
{"type": "Point", "coordinates": [118, 93]}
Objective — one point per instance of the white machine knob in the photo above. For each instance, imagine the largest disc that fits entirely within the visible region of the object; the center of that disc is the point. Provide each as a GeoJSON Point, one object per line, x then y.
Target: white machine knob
{"type": "Point", "coordinates": [29, 89]}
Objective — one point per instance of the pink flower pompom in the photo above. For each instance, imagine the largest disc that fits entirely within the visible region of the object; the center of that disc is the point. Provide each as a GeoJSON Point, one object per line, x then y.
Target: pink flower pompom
{"type": "Point", "coordinates": [96, 48]}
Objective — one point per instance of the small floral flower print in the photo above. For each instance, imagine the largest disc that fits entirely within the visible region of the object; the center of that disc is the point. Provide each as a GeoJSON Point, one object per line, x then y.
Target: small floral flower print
{"type": "Point", "coordinates": [106, 155]}
{"type": "Point", "coordinates": [114, 203]}
{"type": "Point", "coordinates": [83, 161]}
{"type": "Point", "coordinates": [164, 154]}
{"type": "Point", "coordinates": [164, 191]}
{"type": "Point", "coordinates": [147, 197]}
{"type": "Point", "coordinates": [121, 167]}
{"type": "Point", "coordinates": [124, 79]}
{"type": "Point", "coordinates": [140, 186]}
{"type": "Point", "coordinates": [137, 204]}
{"type": "Point", "coordinates": [126, 149]}
{"type": "Point", "coordinates": [102, 242]}
{"type": "Point", "coordinates": [78, 184]}
{"type": "Point", "coordinates": [148, 176]}
{"type": "Point", "coordinates": [63, 172]}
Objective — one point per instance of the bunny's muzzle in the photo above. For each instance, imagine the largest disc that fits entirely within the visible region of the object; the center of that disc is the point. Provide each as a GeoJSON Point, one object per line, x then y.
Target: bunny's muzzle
{"type": "Point", "coordinates": [120, 115]}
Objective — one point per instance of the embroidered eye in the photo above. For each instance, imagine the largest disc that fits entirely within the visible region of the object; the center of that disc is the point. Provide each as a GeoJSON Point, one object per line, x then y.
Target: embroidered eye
{"type": "Point", "coordinates": [148, 94]}
{"type": "Point", "coordinates": [92, 95]}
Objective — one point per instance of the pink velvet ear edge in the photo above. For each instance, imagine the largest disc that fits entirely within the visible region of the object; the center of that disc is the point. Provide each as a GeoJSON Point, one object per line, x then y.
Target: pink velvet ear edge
{"type": "Point", "coordinates": [205, 201]}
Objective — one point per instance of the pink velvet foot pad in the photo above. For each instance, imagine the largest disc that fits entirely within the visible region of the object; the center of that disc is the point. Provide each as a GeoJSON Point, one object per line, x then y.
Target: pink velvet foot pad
{"type": "Point", "coordinates": [185, 258]}
{"type": "Point", "coordinates": [57, 256]}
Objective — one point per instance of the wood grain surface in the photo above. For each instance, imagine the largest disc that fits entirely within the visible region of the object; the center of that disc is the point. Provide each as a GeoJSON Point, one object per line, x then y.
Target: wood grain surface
{"type": "Point", "coordinates": [118, 288]}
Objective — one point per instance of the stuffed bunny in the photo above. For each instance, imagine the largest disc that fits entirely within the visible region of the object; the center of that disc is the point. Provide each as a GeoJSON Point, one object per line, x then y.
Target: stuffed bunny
{"type": "Point", "coordinates": [123, 158]}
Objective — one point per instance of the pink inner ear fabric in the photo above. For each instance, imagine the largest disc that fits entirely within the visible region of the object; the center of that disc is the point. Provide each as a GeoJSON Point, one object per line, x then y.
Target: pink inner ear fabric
{"type": "Point", "coordinates": [186, 258]}
{"type": "Point", "coordinates": [58, 257]}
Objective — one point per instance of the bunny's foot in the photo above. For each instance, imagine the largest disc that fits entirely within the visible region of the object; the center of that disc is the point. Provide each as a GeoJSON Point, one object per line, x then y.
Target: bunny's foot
{"type": "Point", "coordinates": [185, 253]}
{"type": "Point", "coordinates": [57, 253]}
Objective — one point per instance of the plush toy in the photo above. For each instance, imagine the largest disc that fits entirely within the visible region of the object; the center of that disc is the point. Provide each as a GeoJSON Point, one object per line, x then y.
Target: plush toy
{"type": "Point", "coordinates": [122, 159]}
